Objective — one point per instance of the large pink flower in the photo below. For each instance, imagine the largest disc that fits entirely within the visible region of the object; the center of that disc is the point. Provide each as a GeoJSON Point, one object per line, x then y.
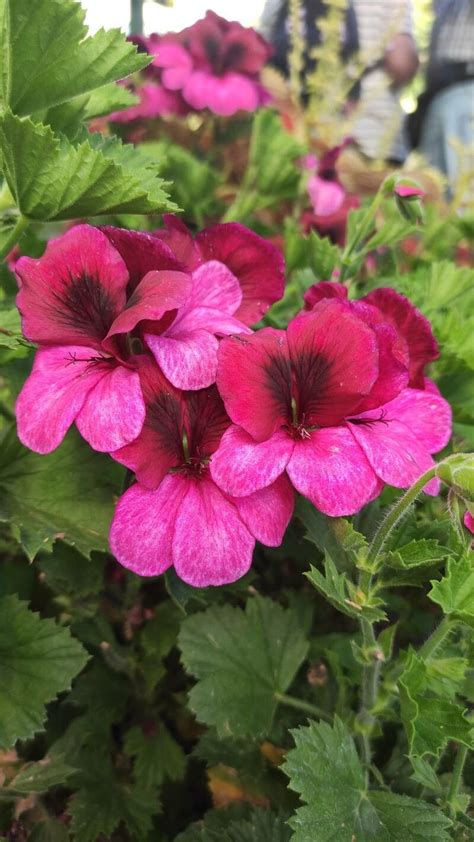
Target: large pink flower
{"type": "Point", "coordinates": [256, 263]}
{"type": "Point", "coordinates": [416, 341]}
{"type": "Point", "coordinates": [176, 515]}
{"type": "Point", "coordinates": [330, 201]}
{"type": "Point", "coordinates": [184, 338]}
{"type": "Point", "coordinates": [68, 300]}
{"type": "Point", "coordinates": [325, 401]}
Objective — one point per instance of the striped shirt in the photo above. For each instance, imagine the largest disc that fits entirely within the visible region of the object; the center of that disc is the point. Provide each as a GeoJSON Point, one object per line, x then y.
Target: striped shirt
{"type": "Point", "coordinates": [453, 32]}
{"type": "Point", "coordinates": [378, 123]}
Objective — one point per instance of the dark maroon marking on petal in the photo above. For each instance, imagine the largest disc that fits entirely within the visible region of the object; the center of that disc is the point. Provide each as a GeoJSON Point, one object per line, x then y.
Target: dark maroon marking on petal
{"type": "Point", "coordinates": [164, 417]}
{"type": "Point", "coordinates": [278, 379]}
{"type": "Point", "coordinates": [369, 421]}
{"type": "Point", "coordinates": [207, 422]}
{"type": "Point", "coordinates": [311, 373]}
{"type": "Point", "coordinates": [85, 305]}
{"type": "Point", "coordinates": [232, 55]}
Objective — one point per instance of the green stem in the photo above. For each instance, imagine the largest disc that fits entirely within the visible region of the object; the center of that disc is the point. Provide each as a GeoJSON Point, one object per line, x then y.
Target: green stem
{"type": "Point", "coordinates": [436, 638]}
{"type": "Point", "coordinates": [395, 514]}
{"type": "Point", "coordinates": [359, 234]}
{"type": "Point", "coordinates": [456, 777]}
{"type": "Point", "coordinates": [300, 704]}
{"type": "Point", "coordinates": [369, 689]}
{"type": "Point", "coordinates": [15, 235]}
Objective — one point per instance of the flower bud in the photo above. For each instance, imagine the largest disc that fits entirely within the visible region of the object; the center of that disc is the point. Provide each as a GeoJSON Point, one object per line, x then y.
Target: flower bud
{"type": "Point", "coordinates": [458, 472]}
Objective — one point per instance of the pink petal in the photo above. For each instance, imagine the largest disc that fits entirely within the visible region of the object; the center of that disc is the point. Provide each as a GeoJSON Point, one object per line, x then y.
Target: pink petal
{"type": "Point", "coordinates": [215, 286]}
{"type": "Point", "coordinates": [335, 359]}
{"type": "Point", "coordinates": [331, 470]}
{"type": "Point", "coordinates": [327, 197]}
{"type": "Point", "coordinates": [157, 294]}
{"type": "Point", "coordinates": [407, 192]}
{"type": "Point", "coordinates": [71, 295]}
{"type": "Point", "coordinates": [241, 465]}
{"type": "Point", "coordinates": [142, 253]}
{"type": "Point", "coordinates": [469, 522]}
{"type": "Point", "coordinates": [396, 455]}
{"type": "Point", "coordinates": [254, 380]}
{"type": "Point", "coordinates": [189, 360]}
{"type": "Point", "coordinates": [205, 318]}
{"type": "Point", "coordinates": [257, 263]}
{"type": "Point", "coordinates": [54, 394]}
{"type": "Point", "coordinates": [268, 512]}
{"type": "Point", "coordinates": [211, 544]}
{"type": "Point", "coordinates": [113, 412]}
{"type": "Point", "coordinates": [425, 414]}
{"type": "Point", "coordinates": [141, 535]}
{"type": "Point", "coordinates": [223, 95]}
{"type": "Point", "coordinates": [176, 63]}
{"type": "Point", "coordinates": [393, 373]}
{"type": "Point", "coordinates": [158, 447]}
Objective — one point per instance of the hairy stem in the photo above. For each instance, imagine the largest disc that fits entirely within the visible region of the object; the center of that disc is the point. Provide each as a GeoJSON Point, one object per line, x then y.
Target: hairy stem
{"type": "Point", "coordinates": [300, 704]}
{"type": "Point", "coordinates": [395, 514]}
{"type": "Point", "coordinates": [456, 777]}
{"type": "Point", "coordinates": [436, 638]}
{"type": "Point", "coordinates": [14, 236]}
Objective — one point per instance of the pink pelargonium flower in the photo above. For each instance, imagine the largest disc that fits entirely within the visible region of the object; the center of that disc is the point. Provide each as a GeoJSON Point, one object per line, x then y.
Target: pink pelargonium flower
{"type": "Point", "coordinates": [417, 344]}
{"type": "Point", "coordinates": [227, 59]}
{"type": "Point", "coordinates": [154, 101]}
{"type": "Point", "coordinates": [326, 402]}
{"type": "Point", "coordinates": [71, 301]}
{"type": "Point", "coordinates": [257, 264]}
{"type": "Point", "coordinates": [327, 197]}
{"type": "Point", "coordinates": [184, 338]}
{"type": "Point", "coordinates": [176, 514]}
{"type": "Point", "coordinates": [469, 521]}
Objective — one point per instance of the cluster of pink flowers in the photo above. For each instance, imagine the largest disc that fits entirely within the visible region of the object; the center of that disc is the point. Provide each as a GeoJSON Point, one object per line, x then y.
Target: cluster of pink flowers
{"type": "Point", "coordinates": [214, 64]}
{"type": "Point", "coordinates": [145, 344]}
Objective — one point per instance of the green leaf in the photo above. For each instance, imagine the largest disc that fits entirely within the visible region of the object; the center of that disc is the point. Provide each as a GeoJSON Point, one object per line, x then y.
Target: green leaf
{"type": "Point", "coordinates": [343, 594]}
{"type": "Point", "coordinates": [50, 178]}
{"type": "Point", "coordinates": [424, 774]}
{"type": "Point", "coordinates": [108, 98]}
{"type": "Point", "coordinates": [10, 329]}
{"type": "Point", "coordinates": [38, 660]}
{"type": "Point", "coordinates": [194, 182]}
{"type": "Point", "coordinates": [417, 553]}
{"type": "Point", "coordinates": [334, 535]}
{"type": "Point", "coordinates": [98, 808]}
{"type": "Point", "coordinates": [323, 256]}
{"type": "Point", "coordinates": [41, 776]}
{"type": "Point", "coordinates": [325, 770]}
{"type": "Point", "coordinates": [67, 571]}
{"type": "Point", "coordinates": [259, 826]}
{"type": "Point", "coordinates": [49, 830]}
{"type": "Point", "coordinates": [430, 721]}
{"type": "Point", "coordinates": [241, 660]}
{"type": "Point", "coordinates": [68, 494]}
{"type": "Point", "coordinates": [48, 59]}
{"type": "Point", "coordinates": [455, 592]}
{"type": "Point", "coordinates": [157, 756]}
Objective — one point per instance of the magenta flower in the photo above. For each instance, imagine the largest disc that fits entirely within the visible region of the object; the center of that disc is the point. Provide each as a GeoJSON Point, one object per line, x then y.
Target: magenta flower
{"type": "Point", "coordinates": [325, 401]}
{"type": "Point", "coordinates": [256, 263]}
{"type": "Point", "coordinates": [68, 300]}
{"type": "Point", "coordinates": [176, 514]}
{"type": "Point", "coordinates": [330, 201]}
{"type": "Point", "coordinates": [154, 101]}
{"type": "Point", "coordinates": [469, 521]}
{"type": "Point", "coordinates": [184, 338]}
{"type": "Point", "coordinates": [227, 59]}
{"type": "Point", "coordinates": [416, 344]}
{"type": "Point", "coordinates": [407, 191]}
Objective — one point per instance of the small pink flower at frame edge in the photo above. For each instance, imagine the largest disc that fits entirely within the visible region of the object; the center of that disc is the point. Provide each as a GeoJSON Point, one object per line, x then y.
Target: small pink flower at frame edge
{"type": "Point", "coordinates": [176, 514]}
{"type": "Point", "coordinates": [469, 521]}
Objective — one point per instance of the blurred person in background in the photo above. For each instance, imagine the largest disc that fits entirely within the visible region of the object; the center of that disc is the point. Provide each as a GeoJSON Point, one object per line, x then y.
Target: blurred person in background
{"type": "Point", "coordinates": [275, 27]}
{"type": "Point", "coordinates": [388, 48]}
{"type": "Point", "coordinates": [446, 109]}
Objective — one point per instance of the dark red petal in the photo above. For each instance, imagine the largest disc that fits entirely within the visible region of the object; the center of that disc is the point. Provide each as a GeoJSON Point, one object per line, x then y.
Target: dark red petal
{"type": "Point", "coordinates": [157, 294]}
{"type": "Point", "coordinates": [256, 263]}
{"type": "Point", "coordinates": [254, 380]}
{"type": "Point", "coordinates": [141, 252]}
{"type": "Point", "coordinates": [159, 446]}
{"type": "Point", "coordinates": [334, 356]}
{"type": "Point", "coordinates": [412, 325]}
{"type": "Point", "coordinates": [323, 289]}
{"type": "Point", "coordinates": [207, 421]}
{"type": "Point", "coordinates": [180, 240]}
